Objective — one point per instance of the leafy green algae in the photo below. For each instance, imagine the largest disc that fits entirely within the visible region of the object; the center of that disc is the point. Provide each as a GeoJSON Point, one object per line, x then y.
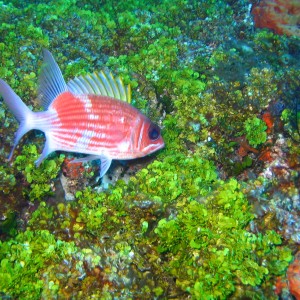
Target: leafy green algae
{"type": "Point", "coordinates": [255, 130]}
{"type": "Point", "coordinates": [25, 258]}
{"type": "Point", "coordinates": [175, 176]}
{"type": "Point", "coordinates": [38, 179]}
{"type": "Point", "coordinates": [203, 238]}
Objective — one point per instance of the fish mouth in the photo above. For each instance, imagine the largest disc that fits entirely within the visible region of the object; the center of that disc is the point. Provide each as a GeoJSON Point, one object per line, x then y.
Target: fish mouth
{"type": "Point", "coordinates": [161, 146]}
{"type": "Point", "coordinates": [153, 148]}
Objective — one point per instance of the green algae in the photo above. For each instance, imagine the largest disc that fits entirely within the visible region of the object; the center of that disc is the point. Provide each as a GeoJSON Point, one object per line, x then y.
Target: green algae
{"type": "Point", "coordinates": [26, 256]}
{"type": "Point", "coordinates": [291, 123]}
{"type": "Point", "coordinates": [39, 180]}
{"type": "Point", "coordinates": [255, 130]}
{"type": "Point", "coordinates": [175, 176]}
{"type": "Point", "coordinates": [203, 238]}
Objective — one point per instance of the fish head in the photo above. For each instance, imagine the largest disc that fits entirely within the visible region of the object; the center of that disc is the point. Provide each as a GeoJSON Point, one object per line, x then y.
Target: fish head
{"type": "Point", "coordinates": [148, 137]}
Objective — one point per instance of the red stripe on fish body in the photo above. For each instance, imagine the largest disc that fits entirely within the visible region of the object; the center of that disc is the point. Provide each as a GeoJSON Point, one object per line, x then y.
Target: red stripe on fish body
{"type": "Point", "coordinates": [100, 125]}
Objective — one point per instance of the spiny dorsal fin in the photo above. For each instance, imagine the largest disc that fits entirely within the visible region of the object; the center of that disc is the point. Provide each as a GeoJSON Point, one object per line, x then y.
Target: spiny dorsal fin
{"type": "Point", "coordinates": [100, 83]}
{"type": "Point", "coordinates": [51, 81]}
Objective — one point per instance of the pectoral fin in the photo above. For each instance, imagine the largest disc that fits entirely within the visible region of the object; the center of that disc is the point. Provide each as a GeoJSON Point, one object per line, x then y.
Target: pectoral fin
{"type": "Point", "coordinates": [105, 162]}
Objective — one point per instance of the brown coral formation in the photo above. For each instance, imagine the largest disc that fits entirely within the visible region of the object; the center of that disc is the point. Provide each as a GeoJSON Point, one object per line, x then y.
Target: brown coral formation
{"type": "Point", "coordinates": [282, 16]}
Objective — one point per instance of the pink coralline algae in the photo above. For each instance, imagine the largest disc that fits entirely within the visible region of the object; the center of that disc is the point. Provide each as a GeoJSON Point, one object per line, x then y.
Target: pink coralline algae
{"type": "Point", "coordinates": [282, 16]}
{"type": "Point", "coordinates": [292, 282]}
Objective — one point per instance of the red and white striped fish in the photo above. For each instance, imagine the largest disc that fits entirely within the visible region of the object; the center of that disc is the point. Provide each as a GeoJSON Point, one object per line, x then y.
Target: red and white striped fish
{"type": "Point", "coordinates": [90, 115]}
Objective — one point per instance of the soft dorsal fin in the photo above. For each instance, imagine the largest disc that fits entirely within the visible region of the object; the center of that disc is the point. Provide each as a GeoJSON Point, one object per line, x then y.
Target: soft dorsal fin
{"type": "Point", "coordinates": [51, 81]}
{"type": "Point", "coordinates": [100, 83]}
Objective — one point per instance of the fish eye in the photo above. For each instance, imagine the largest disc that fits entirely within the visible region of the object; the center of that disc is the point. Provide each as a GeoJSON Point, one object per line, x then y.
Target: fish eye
{"type": "Point", "coordinates": [154, 132]}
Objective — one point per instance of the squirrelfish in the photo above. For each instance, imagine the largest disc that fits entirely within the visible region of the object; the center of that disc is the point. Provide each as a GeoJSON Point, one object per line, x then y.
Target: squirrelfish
{"type": "Point", "coordinates": [91, 115]}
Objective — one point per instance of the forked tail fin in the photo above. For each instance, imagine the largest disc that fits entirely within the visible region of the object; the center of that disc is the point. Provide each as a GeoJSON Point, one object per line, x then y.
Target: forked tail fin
{"type": "Point", "coordinates": [22, 113]}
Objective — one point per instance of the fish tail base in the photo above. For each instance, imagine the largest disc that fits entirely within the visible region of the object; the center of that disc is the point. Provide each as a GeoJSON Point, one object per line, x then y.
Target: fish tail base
{"type": "Point", "coordinates": [22, 113]}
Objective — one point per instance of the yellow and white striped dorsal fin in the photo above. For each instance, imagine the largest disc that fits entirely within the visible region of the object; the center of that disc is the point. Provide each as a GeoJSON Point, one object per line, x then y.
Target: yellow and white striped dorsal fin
{"type": "Point", "coordinates": [100, 83]}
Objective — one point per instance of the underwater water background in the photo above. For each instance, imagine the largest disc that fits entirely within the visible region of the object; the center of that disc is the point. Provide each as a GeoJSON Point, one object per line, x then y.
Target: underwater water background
{"type": "Point", "coordinates": [213, 215]}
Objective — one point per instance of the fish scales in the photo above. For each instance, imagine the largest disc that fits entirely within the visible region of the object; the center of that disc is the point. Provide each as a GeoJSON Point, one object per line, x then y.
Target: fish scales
{"type": "Point", "coordinates": [110, 125]}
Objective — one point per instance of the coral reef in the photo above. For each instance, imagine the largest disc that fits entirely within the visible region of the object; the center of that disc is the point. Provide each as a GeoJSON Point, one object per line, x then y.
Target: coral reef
{"type": "Point", "coordinates": [292, 282]}
{"type": "Point", "coordinates": [215, 213]}
{"type": "Point", "coordinates": [282, 16]}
